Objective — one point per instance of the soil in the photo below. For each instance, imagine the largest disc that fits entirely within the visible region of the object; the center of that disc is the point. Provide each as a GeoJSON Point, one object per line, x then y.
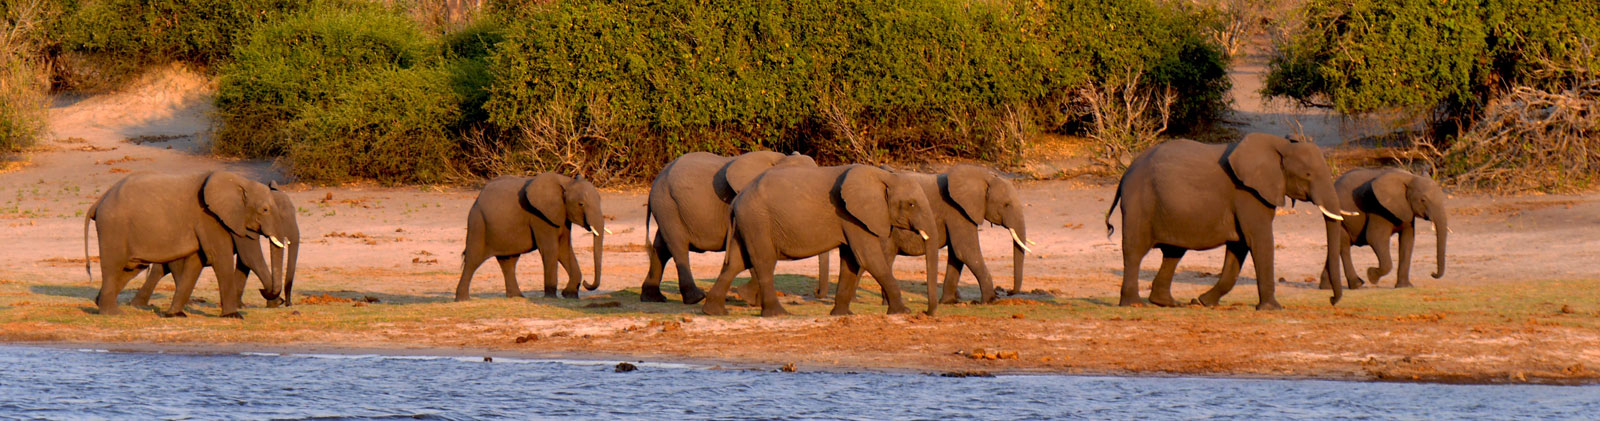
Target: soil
{"type": "Point", "coordinates": [1518, 303]}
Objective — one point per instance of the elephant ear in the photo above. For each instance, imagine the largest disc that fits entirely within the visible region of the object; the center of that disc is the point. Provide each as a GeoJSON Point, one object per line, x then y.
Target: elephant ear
{"type": "Point", "coordinates": [1257, 163]}
{"type": "Point", "coordinates": [968, 187]}
{"type": "Point", "coordinates": [544, 195]}
{"type": "Point", "coordinates": [223, 194]}
{"type": "Point", "coordinates": [743, 170]}
{"type": "Point", "coordinates": [866, 197]}
{"type": "Point", "coordinates": [1391, 191]}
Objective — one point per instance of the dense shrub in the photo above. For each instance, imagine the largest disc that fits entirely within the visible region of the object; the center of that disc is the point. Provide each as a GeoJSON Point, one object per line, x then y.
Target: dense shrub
{"type": "Point", "coordinates": [1424, 56]}
{"type": "Point", "coordinates": [391, 126]}
{"type": "Point", "coordinates": [22, 88]}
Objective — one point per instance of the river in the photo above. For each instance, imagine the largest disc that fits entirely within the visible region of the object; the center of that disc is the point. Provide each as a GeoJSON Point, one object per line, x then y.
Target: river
{"type": "Point", "coordinates": [89, 383]}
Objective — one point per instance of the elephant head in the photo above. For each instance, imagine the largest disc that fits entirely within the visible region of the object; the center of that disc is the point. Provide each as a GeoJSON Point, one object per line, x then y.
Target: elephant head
{"type": "Point", "coordinates": [248, 210]}
{"type": "Point", "coordinates": [283, 271]}
{"type": "Point", "coordinates": [1274, 167]}
{"type": "Point", "coordinates": [743, 169]}
{"type": "Point", "coordinates": [561, 200]}
{"type": "Point", "coordinates": [890, 205]}
{"type": "Point", "coordinates": [1406, 196]}
{"type": "Point", "coordinates": [981, 195]}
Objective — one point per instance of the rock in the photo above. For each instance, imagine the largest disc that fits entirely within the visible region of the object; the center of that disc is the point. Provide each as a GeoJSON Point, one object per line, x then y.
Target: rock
{"type": "Point", "coordinates": [488, 359]}
{"type": "Point", "coordinates": [1007, 355]}
{"type": "Point", "coordinates": [624, 367]}
{"type": "Point", "coordinates": [1566, 309]}
{"type": "Point", "coordinates": [787, 368]}
{"type": "Point", "coordinates": [1019, 316]}
{"type": "Point", "coordinates": [966, 373]}
{"type": "Point", "coordinates": [527, 338]}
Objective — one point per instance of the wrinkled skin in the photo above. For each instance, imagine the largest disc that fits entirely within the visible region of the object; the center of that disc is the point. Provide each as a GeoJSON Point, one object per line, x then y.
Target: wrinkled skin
{"type": "Point", "coordinates": [517, 215]}
{"type": "Point", "coordinates": [1388, 201]}
{"type": "Point", "coordinates": [279, 276]}
{"type": "Point", "coordinates": [689, 202]}
{"type": "Point", "coordinates": [962, 198]}
{"type": "Point", "coordinates": [794, 213]}
{"type": "Point", "coordinates": [1184, 195]}
{"type": "Point", "coordinates": [173, 219]}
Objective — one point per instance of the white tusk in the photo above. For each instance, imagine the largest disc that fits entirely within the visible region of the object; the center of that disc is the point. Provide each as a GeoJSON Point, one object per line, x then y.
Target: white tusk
{"type": "Point", "coordinates": [607, 230]}
{"type": "Point", "coordinates": [1031, 243]}
{"type": "Point", "coordinates": [923, 234]}
{"type": "Point", "coordinates": [1349, 213]}
{"type": "Point", "coordinates": [1018, 239]}
{"type": "Point", "coordinates": [592, 232]}
{"type": "Point", "coordinates": [275, 242]}
{"type": "Point", "coordinates": [1330, 215]}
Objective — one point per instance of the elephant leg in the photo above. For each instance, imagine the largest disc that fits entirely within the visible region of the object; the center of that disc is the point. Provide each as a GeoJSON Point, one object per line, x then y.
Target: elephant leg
{"type": "Point", "coordinates": [972, 256]}
{"type": "Point", "coordinates": [952, 280]}
{"type": "Point", "coordinates": [114, 275]}
{"type": "Point", "coordinates": [660, 253]}
{"type": "Point", "coordinates": [569, 260]}
{"type": "Point", "coordinates": [733, 262]}
{"type": "Point", "coordinates": [1133, 251]}
{"type": "Point", "coordinates": [151, 279]}
{"type": "Point", "coordinates": [186, 272]}
{"type": "Point", "coordinates": [1407, 239]}
{"type": "Point", "coordinates": [1161, 286]}
{"type": "Point", "coordinates": [1232, 262]}
{"type": "Point", "coordinates": [1379, 240]}
{"type": "Point", "coordinates": [876, 264]}
{"type": "Point", "coordinates": [1266, 281]}
{"type": "Point", "coordinates": [822, 275]}
{"type": "Point", "coordinates": [508, 271]}
{"type": "Point", "coordinates": [1349, 266]}
{"type": "Point", "coordinates": [549, 259]}
{"type": "Point", "coordinates": [470, 261]}
{"type": "Point", "coordinates": [849, 275]}
{"type": "Point", "coordinates": [761, 273]}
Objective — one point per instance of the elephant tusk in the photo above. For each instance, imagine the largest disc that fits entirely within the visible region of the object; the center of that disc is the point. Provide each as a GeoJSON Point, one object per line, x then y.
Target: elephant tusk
{"type": "Point", "coordinates": [923, 234]}
{"type": "Point", "coordinates": [1018, 239]}
{"type": "Point", "coordinates": [1330, 215]}
{"type": "Point", "coordinates": [1349, 213]}
{"type": "Point", "coordinates": [606, 230]}
{"type": "Point", "coordinates": [593, 232]}
{"type": "Point", "coordinates": [275, 242]}
{"type": "Point", "coordinates": [1031, 243]}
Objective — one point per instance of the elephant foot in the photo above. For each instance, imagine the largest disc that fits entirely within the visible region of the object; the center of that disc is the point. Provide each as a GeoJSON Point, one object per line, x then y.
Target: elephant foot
{"type": "Point", "coordinates": [111, 311]}
{"type": "Point", "coordinates": [138, 303]}
{"type": "Point", "coordinates": [747, 292]}
{"type": "Point", "coordinates": [1269, 305]}
{"type": "Point", "coordinates": [549, 293]}
{"type": "Point", "coordinates": [233, 315]}
{"type": "Point", "coordinates": [1165, 301]}
{"type": "Point", "coordinates": [651, 294]}
{"type": "Point", "coordinates": [517, 295]}
{"type": "Point", "coordinates": [950, 299]}
{"type": "Point", "coordinates": [462, 298]}
{"type": "Point", "coordinates": [275, 303]}
{"type": "Point", "coordinates": [569, 293]}
{"type": "Point", "coordinates": [1373, 274]}
{"type": "Point", "coordinates": [1356, 283]}
{"type": "Point", "coordinates": [899, 310]}
{"type": "Point", "coordinates": [774, 311]}
{"type": "Point", "coordinates": [714, 309]}
{"type": "Point", "coordinates": [841, 312]}
{"type": "Point", "coordinates": [1206, 300]}
{"type": "Point", "coordinates": [1403, 284]}
{"type": "Point", "coordinates": [693, 296]}
{"type": "Point", "coordinates": [178, 314]}
{"type": "Point", "coordinates": [1129, 301]}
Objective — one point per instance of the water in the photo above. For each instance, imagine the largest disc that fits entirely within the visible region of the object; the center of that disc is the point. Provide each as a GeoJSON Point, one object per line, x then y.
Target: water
{"type": "Point", "coordinates": [63, 383]}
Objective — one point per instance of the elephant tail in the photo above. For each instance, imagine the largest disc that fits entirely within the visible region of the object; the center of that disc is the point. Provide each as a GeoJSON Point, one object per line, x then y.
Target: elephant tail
{"type": "Point", "coordinates": [1114, 200]}
{"type": "Point", "coordinates": [647, 216]}
{"type": "Point", "coordinates": [87, 217]}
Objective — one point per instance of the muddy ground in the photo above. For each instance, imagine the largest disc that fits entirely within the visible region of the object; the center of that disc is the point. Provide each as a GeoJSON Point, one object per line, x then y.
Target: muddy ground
{"type": "Point", "coordinates": [1520, 302]}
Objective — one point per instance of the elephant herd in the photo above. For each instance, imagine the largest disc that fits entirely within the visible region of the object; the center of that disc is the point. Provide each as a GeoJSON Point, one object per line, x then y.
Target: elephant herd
{"type": "Point", "coordinates": [764, 207]}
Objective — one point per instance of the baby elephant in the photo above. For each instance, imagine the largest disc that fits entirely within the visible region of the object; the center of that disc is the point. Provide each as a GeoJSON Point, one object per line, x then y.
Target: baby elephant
{"type": "Point", "coordinates": [516, 215]}
{"type": "Point", "coordinates": [1389, 201]}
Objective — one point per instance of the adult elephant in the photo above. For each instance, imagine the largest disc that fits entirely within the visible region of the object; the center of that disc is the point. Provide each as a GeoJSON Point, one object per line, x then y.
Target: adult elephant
{"type": "Point", "coordinates": [516, 215]}
{"type": "Point", "coordinates": [1388, 201]}
{"type": "Point", "coordinates": [962, 198]}
{"type": "Point", "coordinates": [689, 202]}
{"type": "Point", "coordinates": [175, 219]}
{"type": "Point", "coordinates": [794, 213]}
{"type": "Point", "coordinates": [1184, 195]}
{"type": "Point", "coordinates": [277, 277]}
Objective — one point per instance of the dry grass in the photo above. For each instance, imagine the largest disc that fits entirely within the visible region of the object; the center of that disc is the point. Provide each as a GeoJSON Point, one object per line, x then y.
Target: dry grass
{"type": "Point", "coordinates": [1532, 139]}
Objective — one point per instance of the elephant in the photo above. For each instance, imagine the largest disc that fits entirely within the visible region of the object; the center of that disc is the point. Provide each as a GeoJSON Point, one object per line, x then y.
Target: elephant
{"type": "Point", "coordinates": [793, 213]}
{"type": "Point", "coordinates": [1185, 195]}
{"type": "Point", "coordinates": [963, 197]}
{"type": "Point", "coordinates": [1388, 201]}
{"type": "Point", "coordinates": [174, 219]}
{"type": "Point", "coordinates": [689, 201]}
{"type": "Point", "coordinates": [516, 215]}
{"type": "Point", "coordinates": [279, 274]}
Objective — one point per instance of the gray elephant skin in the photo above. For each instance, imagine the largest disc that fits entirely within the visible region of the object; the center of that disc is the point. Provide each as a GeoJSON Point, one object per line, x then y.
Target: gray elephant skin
{"type": "Point", "coordinates": [1184, 195]}
{"type": "Point", "coordinates": [1388, 201]}
{"type": "Point", "coordinates": [280, 274]}
{"type": "Point", "coordinates": [689, 201]}
{"type": "Point", "coordinates": [793, 213]}
{"type": "Point", "coordinates": [962, 198]}
{"type": "Point", "coordinates": [516, 215]}
{"type": "Point", "coordinates": [173, 219]}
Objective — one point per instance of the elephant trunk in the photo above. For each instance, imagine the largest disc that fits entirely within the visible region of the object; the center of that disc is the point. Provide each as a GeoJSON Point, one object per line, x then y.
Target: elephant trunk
{"type": "Point", "coordinates": [931, 253]}
{"type": "Point", "coordinates": [1443, 232]}
{"type": "Point", "coordinates": [599, 253]}
{"type": "Point", "coordinates": [276, 282]}
{"type": "Point", "coordinates": [288, 272]}
{"type": "Point", "coordinates": [1335, 229]}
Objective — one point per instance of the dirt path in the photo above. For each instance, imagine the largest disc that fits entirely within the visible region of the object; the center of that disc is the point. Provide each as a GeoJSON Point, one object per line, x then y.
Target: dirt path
{"type": "Point", "coordinates": [1520, 303]}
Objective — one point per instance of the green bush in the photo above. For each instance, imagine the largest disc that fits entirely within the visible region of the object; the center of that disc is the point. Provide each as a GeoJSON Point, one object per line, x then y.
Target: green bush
{"type": "Point", "coordinates": [286, 69]}
{"type": "Point", "coordinates": [1425, 56]}
{"type": "Point", "coordinates": [22, 90]}
{"type": "Point", "coordinates": [390, 126]}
